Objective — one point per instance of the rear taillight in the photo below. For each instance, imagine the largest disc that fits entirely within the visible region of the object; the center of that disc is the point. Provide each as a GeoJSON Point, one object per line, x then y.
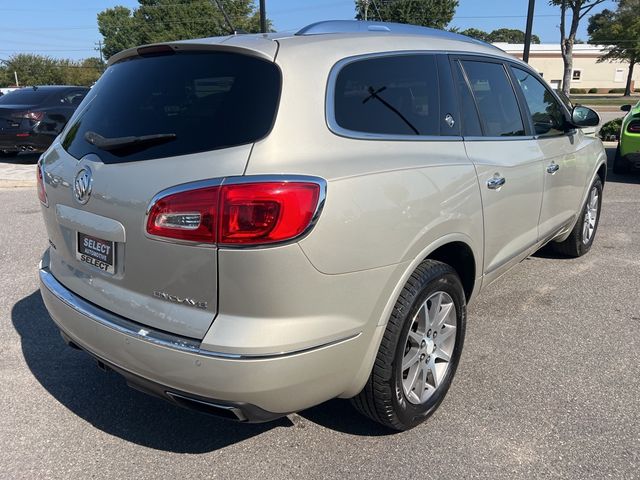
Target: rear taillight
{"type": "Point", "coordinates": [35, 116]}
{"type": "Point", "coordinates": [42, 194]}
{"type": "Point", "coordinates": [189, 215]}
{"type": "Point", "coordinates": [634, 127]}
{"type": "Point", "coordinates": [237, 214]}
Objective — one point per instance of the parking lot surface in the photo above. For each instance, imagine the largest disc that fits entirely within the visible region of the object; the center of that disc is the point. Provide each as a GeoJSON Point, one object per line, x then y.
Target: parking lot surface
{"type": "Point", "coordinates": [548, 385]}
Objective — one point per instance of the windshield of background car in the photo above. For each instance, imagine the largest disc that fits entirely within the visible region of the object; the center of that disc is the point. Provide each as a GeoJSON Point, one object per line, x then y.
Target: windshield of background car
{"type": "Point", "coordinates": [200, 101]}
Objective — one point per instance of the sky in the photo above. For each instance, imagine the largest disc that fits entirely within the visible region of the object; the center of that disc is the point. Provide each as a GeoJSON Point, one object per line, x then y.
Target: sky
{"type": "Point", "coordinates": [67, 28]}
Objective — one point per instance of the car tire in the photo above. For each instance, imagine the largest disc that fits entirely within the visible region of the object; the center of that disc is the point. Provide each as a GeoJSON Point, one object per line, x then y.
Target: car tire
{"type": "Point", "coordinates": [620, 164]}
{"type": "Point", "coordinates": [432, 297]}
{"type": "Point", "coordinates": [8, 154]}
{"type": "Point", "coordinates": [581, 238]}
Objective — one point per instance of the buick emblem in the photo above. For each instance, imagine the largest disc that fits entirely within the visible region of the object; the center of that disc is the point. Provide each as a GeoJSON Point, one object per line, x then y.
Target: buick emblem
{"type": "Point", "coordinates": [82, 185]}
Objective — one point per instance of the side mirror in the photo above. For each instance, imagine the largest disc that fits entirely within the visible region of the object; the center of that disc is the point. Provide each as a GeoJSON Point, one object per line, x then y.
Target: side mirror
{"type": "Point", "coordinates": [625, 108]}
{"type": "Point", "coordinates": [584, 117]}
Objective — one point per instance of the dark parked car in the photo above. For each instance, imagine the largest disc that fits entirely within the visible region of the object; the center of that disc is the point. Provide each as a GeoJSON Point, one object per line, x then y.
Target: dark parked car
{"type": "Point", "coordinates": [31, 118]}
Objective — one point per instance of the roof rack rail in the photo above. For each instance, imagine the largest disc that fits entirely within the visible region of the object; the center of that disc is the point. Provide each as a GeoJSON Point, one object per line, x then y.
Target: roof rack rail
{"type": "Point", "coordinates": [359, 26]}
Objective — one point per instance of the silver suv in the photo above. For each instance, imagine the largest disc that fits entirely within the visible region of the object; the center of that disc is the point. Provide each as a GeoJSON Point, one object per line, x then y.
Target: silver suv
{"type": "Point", "coordinates": [251, 225]}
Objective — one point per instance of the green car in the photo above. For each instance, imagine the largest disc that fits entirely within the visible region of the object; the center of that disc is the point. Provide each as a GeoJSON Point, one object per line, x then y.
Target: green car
{"type": "Point", "coordinates": [628, 152]}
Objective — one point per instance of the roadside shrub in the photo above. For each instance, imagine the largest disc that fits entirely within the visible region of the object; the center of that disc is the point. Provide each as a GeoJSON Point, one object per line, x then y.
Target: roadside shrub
{"type": "Point", "coordinates": [616, 90]}
{"type": "Point", "coordinates": [593, 90]}
{"type": "Point", "coordinates": [611, 129]}
{"type": "Point", "coordinates": [578, 91]}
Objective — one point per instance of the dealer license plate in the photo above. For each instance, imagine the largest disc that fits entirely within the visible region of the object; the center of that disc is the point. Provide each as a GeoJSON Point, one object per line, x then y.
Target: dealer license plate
{"type": "Point", "coordinates": [96, 252]}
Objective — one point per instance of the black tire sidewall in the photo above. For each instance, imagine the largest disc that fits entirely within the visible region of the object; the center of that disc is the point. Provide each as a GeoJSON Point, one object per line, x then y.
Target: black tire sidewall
{"type": "Point", "coordinates": [585, 247]}
{"type": "Point", "coordinates": [409, 414]}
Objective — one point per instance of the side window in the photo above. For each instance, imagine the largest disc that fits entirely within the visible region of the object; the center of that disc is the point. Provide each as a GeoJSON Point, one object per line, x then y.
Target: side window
{"type": "Point", "coordinates": [495, 98]}
{"type": "Point", "coordinates": [392, 95]}
{"type": "Point", "coordinates": [546, 112]}
{"type": "Point", "coordinates": [73, 98]}
{"type": "Point", "coordinates": [470, 121]}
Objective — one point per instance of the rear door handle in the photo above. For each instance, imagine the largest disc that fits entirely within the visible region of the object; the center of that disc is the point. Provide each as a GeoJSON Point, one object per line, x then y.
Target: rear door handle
{"type": "Point", "coordinates": [496, 182]}
{"type": "Point", "coordinates": [553, 168]}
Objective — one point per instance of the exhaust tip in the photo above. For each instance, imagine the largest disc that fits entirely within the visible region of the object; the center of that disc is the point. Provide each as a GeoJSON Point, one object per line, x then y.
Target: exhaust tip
{"type": "Point", "coordinates": [220, 411]}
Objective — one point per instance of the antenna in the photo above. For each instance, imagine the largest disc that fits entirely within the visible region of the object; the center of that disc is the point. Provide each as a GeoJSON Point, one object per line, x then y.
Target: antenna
{"type": "Point", "coordinates": [226, 17]}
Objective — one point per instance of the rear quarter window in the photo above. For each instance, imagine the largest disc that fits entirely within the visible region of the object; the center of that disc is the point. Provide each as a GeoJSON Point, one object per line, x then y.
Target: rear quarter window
{"type": "Point", "coordinates": [206, 100]}
{"type": "Point", "coordinates": [388, 95]}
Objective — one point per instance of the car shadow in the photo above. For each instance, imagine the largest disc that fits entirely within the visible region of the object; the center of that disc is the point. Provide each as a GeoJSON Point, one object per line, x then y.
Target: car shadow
{"type": "Point", "coordinates": [339, 415]}
{"type": "Point", "coordinates": [105, 400]}
{"type": "Point", "coordinates": [632, 178]}
{"type": "Point", "coordinates": [25, 158]}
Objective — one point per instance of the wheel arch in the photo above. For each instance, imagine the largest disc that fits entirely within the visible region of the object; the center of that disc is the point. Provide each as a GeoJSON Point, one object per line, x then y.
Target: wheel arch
{"type": "Point", "coordinates": [602, 172]}
{"type": "Point", "coordinates": [456, 248]}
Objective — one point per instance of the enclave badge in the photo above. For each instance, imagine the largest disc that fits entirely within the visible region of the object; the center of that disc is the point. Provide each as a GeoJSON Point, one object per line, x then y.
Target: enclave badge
{"type": "Point", "coordinates": [184, 301]}
{"type": "Point", "coordinates": [82, 185]}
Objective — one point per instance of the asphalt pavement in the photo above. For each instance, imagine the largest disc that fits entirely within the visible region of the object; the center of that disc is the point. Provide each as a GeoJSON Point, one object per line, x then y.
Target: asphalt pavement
{"type": "Point", "coordinates": [548, 385]}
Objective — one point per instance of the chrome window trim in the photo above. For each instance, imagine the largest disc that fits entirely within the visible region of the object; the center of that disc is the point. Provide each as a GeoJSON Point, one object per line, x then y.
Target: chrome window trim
{"type": "Point", "coordinates": [501, 139]}
{"type": "Point", "coordinates": [330, 114]}
{"type": "Point", "coordinates": [330, 118]}
{"type": "Point", "coordinates": [154, 336]}
{"type": "Point", "coordinates": [238, 180]}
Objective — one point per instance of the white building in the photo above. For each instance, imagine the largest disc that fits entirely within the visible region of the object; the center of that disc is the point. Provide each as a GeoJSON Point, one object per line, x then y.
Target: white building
{"type": "Point", "coordinates": [587, 73]}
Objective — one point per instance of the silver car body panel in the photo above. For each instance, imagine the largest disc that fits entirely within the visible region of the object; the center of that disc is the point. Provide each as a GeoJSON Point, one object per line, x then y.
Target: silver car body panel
{"type": "Point", "coordinates": [326, 298]}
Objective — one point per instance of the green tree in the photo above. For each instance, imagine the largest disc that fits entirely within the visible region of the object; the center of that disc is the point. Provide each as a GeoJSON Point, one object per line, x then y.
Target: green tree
{"type": "Point", "coordinates": [119, 29]}
{"type": "Point", "coordinates": [579, 9]}
{"type": "Point", "coordinates": [620, 31]}
{"type": "Point", "coordinates": [428, 13]}
{"type": "Point", "coordinates": [42, 70]}
{"type": "Point", "coordinates": [32, 70]}
{"type": "Point", "coordinates": [167, 20]}
{"type": "Point", "coordinates": [507, 35]}
{"type": "Point", "coordinates": [476, 33]}
{"type": "Point", "coordinates": [510, 35]}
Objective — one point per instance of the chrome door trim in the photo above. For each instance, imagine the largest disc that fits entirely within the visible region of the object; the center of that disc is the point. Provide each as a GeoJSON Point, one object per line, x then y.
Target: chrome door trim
{"type": "Point", "coordinates": [552, 168]}
{"type": "Point", "coordinates": [496, 183]}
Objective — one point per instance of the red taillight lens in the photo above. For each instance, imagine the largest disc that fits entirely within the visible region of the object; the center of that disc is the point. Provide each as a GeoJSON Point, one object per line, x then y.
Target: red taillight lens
{"type": "Point", "coordinates": [258, 213]}
{"type": "Point", "coordinates": [189, 215]}
{"type": "Point", "coordinates": [240, 214]}
{"type": "Point", "coordinates": [634, 127]}
{"type": "Point", "coordinates": [42, 194]}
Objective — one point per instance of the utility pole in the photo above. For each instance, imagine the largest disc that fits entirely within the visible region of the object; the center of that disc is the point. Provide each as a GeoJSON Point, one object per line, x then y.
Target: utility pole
{"type": "Point", "coordinates": [366, 10]}
{"type": "Point", "coordinates": [263, 17]}
{"type": "Point", "coordinates": [99, 49]}
{"type": "Point", "coordinates": [527, 35]}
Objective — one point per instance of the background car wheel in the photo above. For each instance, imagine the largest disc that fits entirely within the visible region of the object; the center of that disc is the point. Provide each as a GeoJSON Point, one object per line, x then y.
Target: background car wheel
{"type": "Point", "coordinates": [620, 165]}
{"type": "Point", "coordinates": [7, 154]}
{"type": "Point", "coordinates": [420, 350]}
{"type": "Point", "coordinates": [582, 235]}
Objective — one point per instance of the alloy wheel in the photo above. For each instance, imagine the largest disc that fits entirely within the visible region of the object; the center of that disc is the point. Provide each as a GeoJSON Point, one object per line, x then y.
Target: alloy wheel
{"type": "Point", "coordinates": [429, 346]}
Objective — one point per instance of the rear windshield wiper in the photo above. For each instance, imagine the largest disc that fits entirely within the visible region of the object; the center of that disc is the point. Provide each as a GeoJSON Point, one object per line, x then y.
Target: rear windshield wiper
{"type": "Point", "coordinates": [116, 143]}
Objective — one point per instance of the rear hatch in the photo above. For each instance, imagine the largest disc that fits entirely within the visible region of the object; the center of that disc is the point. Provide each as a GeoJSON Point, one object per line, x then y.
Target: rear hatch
{"type": "Point", "coordinates": [205, 109]}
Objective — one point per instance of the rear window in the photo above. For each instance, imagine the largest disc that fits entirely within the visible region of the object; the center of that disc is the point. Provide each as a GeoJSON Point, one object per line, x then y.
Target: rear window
{"type": "Point", "coordinates": [197, 101]}
{"type": "Point", "coordinates": [25, 96]}
{"type": "Point", "coordinates": [390, 95]}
